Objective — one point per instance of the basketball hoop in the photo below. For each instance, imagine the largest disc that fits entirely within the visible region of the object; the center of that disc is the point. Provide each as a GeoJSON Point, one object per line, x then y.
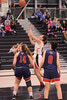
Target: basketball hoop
{"type": "Point", "coordinates": [3, 1]}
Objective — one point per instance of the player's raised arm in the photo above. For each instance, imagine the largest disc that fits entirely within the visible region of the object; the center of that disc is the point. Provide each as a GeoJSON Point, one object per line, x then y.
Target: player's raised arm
{"type": "Point", "coordinates": [32, 42]}
{"type": "Point", "coordinates": [32, 36]}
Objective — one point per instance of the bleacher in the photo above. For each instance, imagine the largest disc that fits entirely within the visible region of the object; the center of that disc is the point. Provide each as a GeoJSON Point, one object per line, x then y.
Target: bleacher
{"type": "Point", "coordinates": [21, 36]}
{"type": "Point", "coordinates": [7, 42]}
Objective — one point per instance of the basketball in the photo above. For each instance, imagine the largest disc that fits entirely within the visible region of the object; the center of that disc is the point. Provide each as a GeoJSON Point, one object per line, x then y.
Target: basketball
{"type": "Point", "coordinates": [22, 3]}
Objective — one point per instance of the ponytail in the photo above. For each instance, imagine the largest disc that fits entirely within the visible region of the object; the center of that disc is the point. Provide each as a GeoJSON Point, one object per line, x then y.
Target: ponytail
{"type": "Point", "coordinates": [27, 50]}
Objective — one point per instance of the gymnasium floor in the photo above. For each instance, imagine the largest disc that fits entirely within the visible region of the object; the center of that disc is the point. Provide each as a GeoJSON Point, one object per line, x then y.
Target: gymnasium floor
{"type": "Point", "coordinates": [7, 83]}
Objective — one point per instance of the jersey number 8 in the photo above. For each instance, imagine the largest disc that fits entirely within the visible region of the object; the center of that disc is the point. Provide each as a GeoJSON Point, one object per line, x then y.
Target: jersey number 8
{"type": "Point", "coordinates": [50, 59]}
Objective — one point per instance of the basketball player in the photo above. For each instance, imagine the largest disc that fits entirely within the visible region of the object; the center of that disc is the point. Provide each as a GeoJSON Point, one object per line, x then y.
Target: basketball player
{"type": "Point", "coordinates": [12, 4]}
{"type": "Point", "coordinates": [21, 65]}
{"type": "Point", "coordinates": [39, 44]}
{"type": "Point", "coordinates": [52, 70]}
{"type": "Point", "coordinates": [15, 48]}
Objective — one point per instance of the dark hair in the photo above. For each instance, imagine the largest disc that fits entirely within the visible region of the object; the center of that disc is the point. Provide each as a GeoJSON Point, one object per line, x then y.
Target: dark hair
{"type": "Point", "coordinates": [44, 38]}
{"type": "Point", "coordinates": [26, 50]}
{"type": "Point", "coordinates": [53, 46]}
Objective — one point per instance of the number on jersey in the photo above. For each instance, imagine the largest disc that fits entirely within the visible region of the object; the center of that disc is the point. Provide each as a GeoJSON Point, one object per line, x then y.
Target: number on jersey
{"type": "Point", "coordinates": [22, 59]}
{"type": "Point", "coordinates": [50, 59]}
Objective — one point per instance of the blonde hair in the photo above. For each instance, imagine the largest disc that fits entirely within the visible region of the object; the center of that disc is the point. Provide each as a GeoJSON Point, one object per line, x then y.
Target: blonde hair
{"type": "Point", "coordinates": [26, 50]}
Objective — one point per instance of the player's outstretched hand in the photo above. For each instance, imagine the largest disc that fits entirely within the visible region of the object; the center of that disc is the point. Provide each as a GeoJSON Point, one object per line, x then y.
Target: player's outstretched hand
{"type": "Point", "coordinates": [32, 26]}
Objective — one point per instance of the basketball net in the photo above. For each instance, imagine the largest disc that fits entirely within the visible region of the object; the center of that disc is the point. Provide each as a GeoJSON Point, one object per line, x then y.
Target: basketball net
{"type": "Point", "coordinates": [3, 1]}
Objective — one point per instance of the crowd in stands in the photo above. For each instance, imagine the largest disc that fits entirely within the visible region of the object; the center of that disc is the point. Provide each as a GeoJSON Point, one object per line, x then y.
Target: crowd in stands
{"type": "Point", "coordinates": [11, 3]}
{"type": "Point", "coordinates": [7, 25]}
{"type": "Point", "coordinates": [50, 25]}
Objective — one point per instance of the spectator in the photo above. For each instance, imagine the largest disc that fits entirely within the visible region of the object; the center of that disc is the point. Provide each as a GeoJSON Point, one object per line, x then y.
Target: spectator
{"type": "Point", "coordinates": [8, 29]}
{"type": "Point", "coordinates": [13, 23]}
{"type": "Point", "coordinates": [47, 16]}
{"type": "Point", "coordinates": [42, 17]}
{"type": "Point", "coordinates": [2, 31]}
{"type": "Point", "coordinates": [55, 20]}
{"type": "Point", "coordinates": [8, 12]}
{"type": "Point", "coordinates": [64, 25]}
{"type": "Point", "coordinates": [40, 7]}
{"type": "Point", "coordinates": [50, 23]}
{"type": "Point", "coordinates": [54, 23]}
{"type": "Point", "coordinates": [45, 25]}
{"type": "Point", "coordinates": [58, 26]}
{"type": "Point", "coordinates": [3, 19]}
{"type": "Point", "coordinates": [9, 17]}
{"type": "Point", "coordinates": [50, 33]}
{"type": "Point", "coordinates": [7, 21]}
{"type": "Point", "coordinates": [38, 13]}
{"type": "Point", "coordinates": [46, 12]}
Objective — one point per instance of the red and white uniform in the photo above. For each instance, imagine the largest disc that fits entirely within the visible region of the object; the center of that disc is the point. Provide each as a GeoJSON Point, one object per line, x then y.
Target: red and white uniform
{"type": "Point", "coordinates": [38, 51]}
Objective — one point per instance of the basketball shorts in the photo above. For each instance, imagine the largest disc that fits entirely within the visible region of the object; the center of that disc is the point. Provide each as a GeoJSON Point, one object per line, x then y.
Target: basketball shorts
{"type": "Point", "coordinates": [51, 75]}
{"type": "Point", "coordinates": [23, 72]}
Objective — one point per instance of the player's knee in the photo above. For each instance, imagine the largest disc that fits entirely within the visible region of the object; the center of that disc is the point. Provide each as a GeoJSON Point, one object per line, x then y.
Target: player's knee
{"type": "Point", "coordinates": [28, 84]}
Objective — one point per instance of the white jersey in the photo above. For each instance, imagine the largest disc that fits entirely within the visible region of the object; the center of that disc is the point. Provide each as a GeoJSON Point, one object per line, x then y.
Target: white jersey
{"type": "Point", "coordinates": [38, 48]}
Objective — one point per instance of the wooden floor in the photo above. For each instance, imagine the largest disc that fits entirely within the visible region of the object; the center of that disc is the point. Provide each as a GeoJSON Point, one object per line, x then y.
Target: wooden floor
{"type": "Point", "coordinates": [7, 83]}
{"type": "Point", "coordinates": [7, 78]}
{"type": "Point", "coordinates": [6, 93]}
